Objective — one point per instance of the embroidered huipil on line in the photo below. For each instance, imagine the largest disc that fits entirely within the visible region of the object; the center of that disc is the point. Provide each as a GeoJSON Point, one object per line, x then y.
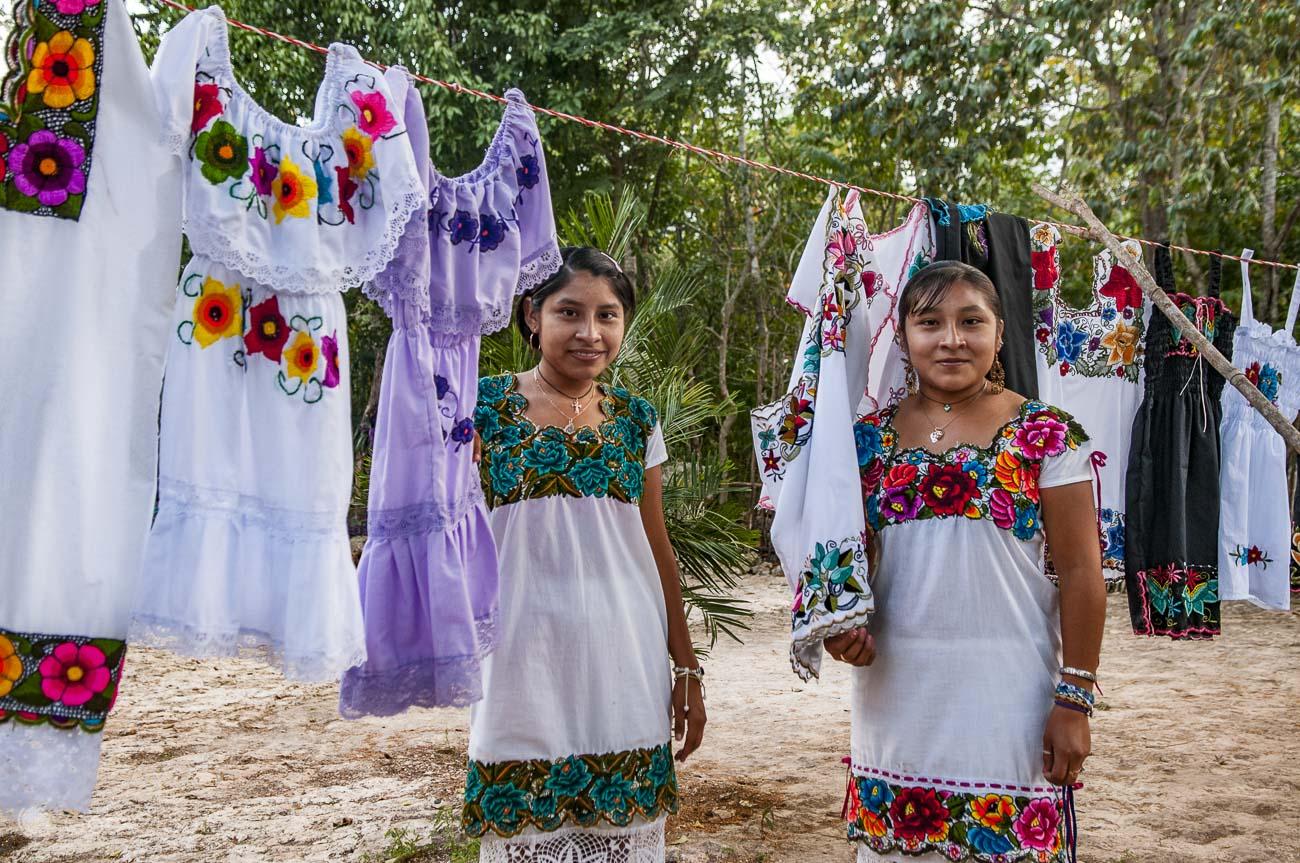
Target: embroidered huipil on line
{"type": "Point", "coordinates": [1090, 363]}
{"type": "Point", "coordinates": [848, 283]}
{"type": "Point", "coordinates": [1254, 516]}
{"type": "Point", "coordinates": [429, 569]}
{"type": "Point", "coordinates": [250, 544]}
{"type": "Point", "coordinates": [569, 749]}
{"type": "Point", "coordinates": [947, 724]}
{"type": "Point", "coordinates": [90, 240]}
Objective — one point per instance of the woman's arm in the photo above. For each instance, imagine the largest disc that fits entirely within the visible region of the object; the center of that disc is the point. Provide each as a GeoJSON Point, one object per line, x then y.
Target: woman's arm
{"type": "Point", "coordinates": [688, 696]}
{"type": "Point", "coordinates": [1070, 523]}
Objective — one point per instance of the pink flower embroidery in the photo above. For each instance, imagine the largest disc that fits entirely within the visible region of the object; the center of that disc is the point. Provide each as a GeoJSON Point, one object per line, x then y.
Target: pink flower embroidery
{"type": "Point", "coordinates": [1003, 508]}
{"type": "Point", "coordinates": [842, 247]}
{"type": "Point", "coordinates": [329, 348]}
{"type": "Point", "coordinates": [1041, 435]}
{"type": "Point", "coordinates": [374, 118]}
{"type": "Point", "coordinates": [207, 104]}
{"type": "Point", "coordinates": [1037, 825]}
{"type": "Point", "coordinates": [264, 172]}
{"type": "Point", "coordinates": [74, 7]}
{"type": "Point", "coordinates": [73, 675]}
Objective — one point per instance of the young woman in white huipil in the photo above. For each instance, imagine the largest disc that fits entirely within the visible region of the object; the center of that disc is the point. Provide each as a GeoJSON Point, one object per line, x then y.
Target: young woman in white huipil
{"type": "Point", "coordinates": [570, 750]}
{"type": "Point", "coordinates": [972, 693]}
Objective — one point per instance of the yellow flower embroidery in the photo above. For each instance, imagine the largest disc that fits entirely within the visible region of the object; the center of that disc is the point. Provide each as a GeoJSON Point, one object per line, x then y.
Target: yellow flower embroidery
{"type": "Point", "coordinates": [294, 191]}
{"type": "Point", "coordinates": [1007, 470]}
{"type": "Point", "coordinates": [1123, 343]}
{"type": "Point", "coordinates": [218, 312]}
{"type": "Point", "coordinates": [11, 667]}
{"type": "Point", "coordinates": [995, 811]}
{"type": "Point", "coordinates": [63, 70]}
{"type": "Point", "coordinates": [302, 357]}
{"type": "Point", "coordinates": [357, 144]}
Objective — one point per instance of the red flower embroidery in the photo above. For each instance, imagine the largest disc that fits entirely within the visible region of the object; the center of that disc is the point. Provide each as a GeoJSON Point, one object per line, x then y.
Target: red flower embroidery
{"type": "Point", "coordinates": [871, 476]}
{"type": "Point", "coordinates": [918, 814]}
{"type": "Point", "coordinates": [347, 188]}
{"type": "Point", "coordinates": [1123, 289]}
{"type": "Point", "coordinates": [207, 104]}
{"type": "Point", "coordinates": [900, 474]}
{"type": "Point", "coordinates": [1045, 272]}
{"type": "Point", "coordinates": [947, 489]}
{"type": "Point", "coordinates": [267, 331]}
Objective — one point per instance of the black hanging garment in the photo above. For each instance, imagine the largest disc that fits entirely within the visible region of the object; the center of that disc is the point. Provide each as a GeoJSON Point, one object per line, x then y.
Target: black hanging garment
{"type": "Point", "coordinates": [1295, 548]}
{"type": "Point", "coordinates": [1172, 495]}
{"type": "Point", "coordinates": [998, 246]}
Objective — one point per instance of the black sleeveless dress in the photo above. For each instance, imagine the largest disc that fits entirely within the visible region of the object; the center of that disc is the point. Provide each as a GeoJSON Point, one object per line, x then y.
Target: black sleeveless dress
{"type": "Point", "coordinates": [1172, 494]}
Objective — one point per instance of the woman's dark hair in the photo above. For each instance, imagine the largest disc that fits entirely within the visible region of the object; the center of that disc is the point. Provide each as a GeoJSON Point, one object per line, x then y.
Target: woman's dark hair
{"type": "Point", "coordinates": [928, 288]}
{"type": "Point", "coordinates": [577, 258]}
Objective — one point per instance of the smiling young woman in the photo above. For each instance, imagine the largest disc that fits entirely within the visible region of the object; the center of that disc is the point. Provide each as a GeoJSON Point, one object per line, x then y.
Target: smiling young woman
{"type": "Point", "coordinates": [973, 689]}
{"type": "Point", "coordinates": [570, 749]}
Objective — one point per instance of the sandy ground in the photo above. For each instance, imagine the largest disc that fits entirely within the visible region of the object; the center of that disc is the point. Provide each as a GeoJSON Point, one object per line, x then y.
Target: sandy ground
{"type": "Point", "coordinates": [1197, 758]}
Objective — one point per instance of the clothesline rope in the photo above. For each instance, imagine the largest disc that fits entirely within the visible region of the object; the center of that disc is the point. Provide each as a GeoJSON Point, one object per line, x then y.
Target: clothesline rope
{"type": "Point", "coordinates": [718, 155]}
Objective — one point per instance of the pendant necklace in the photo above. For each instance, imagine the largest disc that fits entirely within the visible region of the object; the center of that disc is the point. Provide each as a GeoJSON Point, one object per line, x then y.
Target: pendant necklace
{"type": "Point", "coordinates": [578, 407]}
{"type": "Point", "coordinates": [937, 434]}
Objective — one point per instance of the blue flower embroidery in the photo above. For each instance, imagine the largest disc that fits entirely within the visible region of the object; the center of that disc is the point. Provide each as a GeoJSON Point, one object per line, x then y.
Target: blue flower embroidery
{"type": "Point", "coordinates": [546, 455]}
{"type": "Point", "coordinates": [875, 794]}
{"type": "Point", "coordinates": [661, 766]}
{"type": "Point", "coordinates": [504, 804]}
{"type": "Point", "coordinates": [642, 411]}
{"type": "Point", "coordinates": [569, 777]}
{"type": "Point", "coordinates": [1069, 341]}
{"type": "Point", "coordinates": [592, 477]}
{"type": "Point", "coordinates": [867, 439]}
{"type": "Point", "coordinates": [492, 390]}
{"type": "Point", "coordinates": [529, 173]}
{"type": "Point", "coordinates": [463, 432]}
{"type": "Point", "coordinates": [632, 477]}
{"type": "Point", "coordinates": [987, 841]}
{"type": "Point", "coordinates": [441, 385]}
{"type": "Point", "coordinates": [614, 795]}
{"type": "Point", "coordinates": [976, 470]}
{"type": "Point", "coordinates": [506, 472]}
{"type": "Point", "coordinates": [463, 228]}
{"type": "Point", "coordinates": [1026, 523]}
{"type": "Point", "coordinates": [628, 434]}
{"type": "Point", "coordinates": [543, 806]}
{"type": "Point", "coordinates": [324, 184]}
{"type": "Point", "coordinates": [491, 231]}
{"type": "Point", "coordinates": [488, 422]}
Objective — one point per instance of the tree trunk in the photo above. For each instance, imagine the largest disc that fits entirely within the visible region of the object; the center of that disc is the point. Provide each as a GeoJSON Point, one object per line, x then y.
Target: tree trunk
{"type": "Point", "coordinates": [1268, 206]}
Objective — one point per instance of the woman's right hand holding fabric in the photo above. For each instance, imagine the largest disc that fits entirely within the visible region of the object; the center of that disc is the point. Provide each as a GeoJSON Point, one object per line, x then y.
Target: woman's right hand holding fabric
{"type": "Point", "coordinates": [856, 647]}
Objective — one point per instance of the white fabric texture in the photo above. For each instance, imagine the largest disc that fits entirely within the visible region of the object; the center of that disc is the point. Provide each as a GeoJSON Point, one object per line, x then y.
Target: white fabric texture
{"type": "Point", "coordinates": [967, 629]}
{"type": "Point", "coordinates": [1104, 390]}
{"type": "Point", "coordinates": [250, 545]}
{"type": "Point", "coordinates": [78, 432]}
{"type": "Point", "coordinates": [849, 283]}
{"type": "Point", "coordinates": [1254, 511]}
{"type": "Point", "coordinates": [640, 843]}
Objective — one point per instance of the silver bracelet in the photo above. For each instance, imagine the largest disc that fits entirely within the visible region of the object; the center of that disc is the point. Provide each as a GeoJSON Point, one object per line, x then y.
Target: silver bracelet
{"type": "Point", "coordinates": [697, 673]}
{"type": "Point", "coordinates": [1079, 673]}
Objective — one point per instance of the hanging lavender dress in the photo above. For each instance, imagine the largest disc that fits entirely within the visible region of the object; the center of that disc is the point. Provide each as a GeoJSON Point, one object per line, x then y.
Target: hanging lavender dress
{"type": "Point", "coordinates": [428, 574]}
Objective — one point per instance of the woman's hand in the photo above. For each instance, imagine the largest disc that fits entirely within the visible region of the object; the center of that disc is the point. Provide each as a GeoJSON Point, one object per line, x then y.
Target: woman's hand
{"type": "Point", "coordinates": [1066, 743]}
{"type": "Point", "coordinates": [688, 715]}
{"type": "Point", "coordinates": [856, 647]}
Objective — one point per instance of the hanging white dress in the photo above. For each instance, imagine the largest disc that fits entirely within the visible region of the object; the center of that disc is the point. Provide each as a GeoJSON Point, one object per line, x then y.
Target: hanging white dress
{"type": "Point", "coordinates": [570, 752]}
{"type": "Point", "coordinates": [250, 544]}
{"type": "Point", "coordinates": [848, 283]}
{"type": "Point", "coordinates": [90, 242]}
{"type": "Point", "coordinates": [1090, 364]}
{"type": "Point", "coordinates": [1255, 513]}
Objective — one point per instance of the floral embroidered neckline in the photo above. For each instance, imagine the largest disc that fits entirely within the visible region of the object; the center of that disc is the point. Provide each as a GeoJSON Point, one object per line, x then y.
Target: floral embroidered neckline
{"type": "Point", "coordinates": [605, 404]}
{"type": "Point", "coordinates": [999, 434]}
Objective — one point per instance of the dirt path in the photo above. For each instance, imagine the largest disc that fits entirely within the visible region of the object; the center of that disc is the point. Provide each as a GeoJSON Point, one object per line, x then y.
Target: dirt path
{"type": "Point", "coordinates": [1197, 759]}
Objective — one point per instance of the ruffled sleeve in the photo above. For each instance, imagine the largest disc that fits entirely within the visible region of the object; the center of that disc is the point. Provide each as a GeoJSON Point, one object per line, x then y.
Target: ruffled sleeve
{"type": "Point", "coordinates": [539, 250]}
{"type": "Point", "coordinates": [180, 53]}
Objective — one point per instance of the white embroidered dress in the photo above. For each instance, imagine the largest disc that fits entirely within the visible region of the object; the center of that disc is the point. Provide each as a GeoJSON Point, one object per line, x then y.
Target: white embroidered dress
{"type": "Point", "coordinates": [1090, 364]}
{"type": "Point", "coordinates": [90, 241]}
{"type": "Point", "coordinates": [250, 544]}
{"type": "Point", "coordinates": [1254, 513]}
{"type": "Point", "coordinates": [848, 283]}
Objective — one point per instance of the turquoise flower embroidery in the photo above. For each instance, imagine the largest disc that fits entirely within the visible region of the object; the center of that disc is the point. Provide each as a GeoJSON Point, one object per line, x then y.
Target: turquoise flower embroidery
{"type": "Point", "coordinates": [506, 471]}
{"type": "Point", "coordinates": [661, 766]}
{"type": "Point", "coordinates": [544, 806]}
{"type": "Point", "coordinates": [614, 795]}
{"type": "Point", "coordinates": [505, 804]}
{"type": "Point", "coordinates": [569, 777]}
{"type": "Point", "coordinates": [646, 797]}
{"type": "Point", "coordinates": [643, 412]}
{"type": "Point", "coordinates": [493, 389]}
{"type": "Point", "coordinates": [627, 434]}
{"type": "Point", "coordinates": [546, 455]}
{"type": "Point", "coordinates": [875, 794]}
{"type": "Point", "coordinates": [632, 477]}
{"type": "Point", "coordinates": [592, 477]}
{"type": "Point", "coordinates": [488, 422]}
{"type": "Point", "coordinates": [473, 784]}
{"type": "Point", "coordinates": [1026, 523]}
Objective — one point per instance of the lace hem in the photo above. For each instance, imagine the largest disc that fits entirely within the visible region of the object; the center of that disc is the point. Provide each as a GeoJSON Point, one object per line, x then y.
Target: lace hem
{"type": "Point", "coordinates": [539, 267]}
{"type": "Point", "coordinates": [451, 681]}
{"type": "Point", "coordinates": [406, 283]}
{"type": "Point", "coordinates": [209, 237]}
{"type": "Point", "coordinates": [176, 143]}
{"type": "Point", "coordinates": [642, 843]}
{"type": "Point", "coordinates": [421, 519]}
{"type": "Point", "coordinates": [179, 500]}
{"type": "Point", "coordinates": [185, 639]}
{"type": "Point", "coordinates": [46, 768]}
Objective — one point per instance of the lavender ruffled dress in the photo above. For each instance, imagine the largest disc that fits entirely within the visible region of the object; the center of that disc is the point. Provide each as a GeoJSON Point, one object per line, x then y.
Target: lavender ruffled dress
{"type": "Point", "coordinates": [428, 574]}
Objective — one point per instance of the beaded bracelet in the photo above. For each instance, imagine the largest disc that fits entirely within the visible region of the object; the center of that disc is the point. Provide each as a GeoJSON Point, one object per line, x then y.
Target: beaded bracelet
{"type": "Point", "coordinates": [697, 673]}
{"type": "Point", "coordinates": [1077, 708]}
{"type": "Point", "coordinates": [1064, 689]}
{"type": "Point", "coordinates": [1082, 674]}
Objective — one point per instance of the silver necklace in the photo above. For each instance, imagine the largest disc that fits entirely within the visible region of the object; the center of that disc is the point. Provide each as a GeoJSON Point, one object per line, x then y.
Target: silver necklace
{"type": "Point", "coordinates": [937, 434]}
{"type": "Point", "coordinates": [578, 407]}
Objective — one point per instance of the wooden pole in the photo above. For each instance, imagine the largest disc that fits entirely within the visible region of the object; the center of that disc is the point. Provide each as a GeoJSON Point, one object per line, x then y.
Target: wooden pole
{"type": "Point", "coordinates": [1071, 202]}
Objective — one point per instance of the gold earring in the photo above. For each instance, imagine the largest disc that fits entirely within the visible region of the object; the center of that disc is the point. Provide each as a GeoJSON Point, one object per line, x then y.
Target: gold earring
{"type": "Point", "coordinates": [913, 383]}
{"type": "Point", "coordinates": [535, 341]}
{"type": "Point", "coordinates": [998, 376]}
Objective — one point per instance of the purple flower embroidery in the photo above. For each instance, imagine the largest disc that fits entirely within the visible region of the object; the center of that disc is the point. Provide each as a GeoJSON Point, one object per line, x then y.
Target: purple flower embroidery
{"type": "Point", "coordinates": [442, 385]}
{"type": "Point", "coordinates": [463, 228]}
{"type": "Point", "coordinates": [463, 432]}
{"type": "Point", "coordinates": [48, 168]}
{"type": "Point", "coordinates": [491, 232]}
{"type": "Point", "coordinates": [528, 173]}
{"type": "Point", "coordinates": [264, 173]}
{"type": "Point", "coordinates": [329, 348]}
{"type": "Point", "coordinates": [900, 504]}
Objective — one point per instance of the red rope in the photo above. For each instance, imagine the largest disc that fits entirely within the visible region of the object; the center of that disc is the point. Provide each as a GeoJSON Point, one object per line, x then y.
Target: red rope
{"type": "Point", "coordinates": [693, 148]}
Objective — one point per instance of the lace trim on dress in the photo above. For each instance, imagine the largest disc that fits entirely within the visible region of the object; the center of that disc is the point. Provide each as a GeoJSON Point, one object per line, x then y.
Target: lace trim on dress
{"type": "Point", "coordinates": [421, 518]}
{"type": "Point", "coordinates": [46, 768]}
{"type": "Point", "coordinates": [184, 500]}
{"type": "Point", "coordinates": [446, 681]}
{"type": "Point", "coordinates": [642, 843]}
{"type": "Point", "coordinates": [539, 267]}
{"type": "Point", "coordinates": [405, 283]}
{"type": "Point", "coordinates": [185, 639]}
{"type": "Point", "coordinates": [485, 319]}
{"type": "Point", "coordinates": [209, 236]}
